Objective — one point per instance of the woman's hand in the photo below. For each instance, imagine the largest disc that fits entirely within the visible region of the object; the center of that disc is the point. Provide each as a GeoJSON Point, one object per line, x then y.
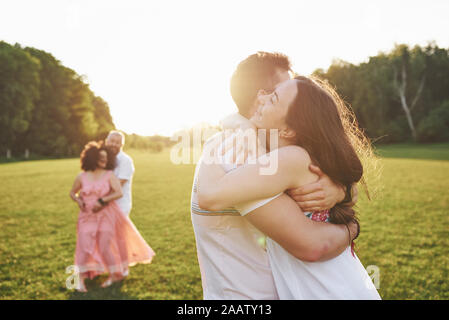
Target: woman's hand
{"type": "Point", "coordinates": [97, 207]}
{"type": "Point", "coordinates": [74, 193]}
{"type": "Point", "coordinates": [81, 203]}
{"type": "Point", "coordinates": [115, 193]}
{"type": "Point", "coordinates": [318, 196]}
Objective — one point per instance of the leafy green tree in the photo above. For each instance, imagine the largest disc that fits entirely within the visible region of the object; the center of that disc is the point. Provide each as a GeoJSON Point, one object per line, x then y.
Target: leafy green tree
{"type": "Point", "coordinates": [435, 127]}
{"type": "Point", "coordinates": [46, 107]}
{"type": "Point", "coordinates": [19, 88]}
{"type": "Point", "coordinates": [392, 93]}
{"type": "Point", "coordinates": [67, 113]}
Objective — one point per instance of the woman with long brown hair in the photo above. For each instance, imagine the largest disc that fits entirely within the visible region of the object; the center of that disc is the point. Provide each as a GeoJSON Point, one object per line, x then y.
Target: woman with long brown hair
{"type": "Point", "coordinates": [313, 126]}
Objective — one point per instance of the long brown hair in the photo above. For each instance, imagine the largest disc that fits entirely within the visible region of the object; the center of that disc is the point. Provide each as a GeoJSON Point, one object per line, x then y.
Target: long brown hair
{"type": "Point", "coordinates": [328, 130]}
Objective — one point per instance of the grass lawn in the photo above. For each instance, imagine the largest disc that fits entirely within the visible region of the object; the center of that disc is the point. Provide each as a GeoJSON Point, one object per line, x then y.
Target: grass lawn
{"type": "Point", "coordinates": [405, 232]}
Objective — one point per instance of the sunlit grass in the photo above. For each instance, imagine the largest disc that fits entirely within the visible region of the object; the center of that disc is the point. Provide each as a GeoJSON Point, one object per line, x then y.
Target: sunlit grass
{"type": "Point", "coordinates": [405, 232]}
{"type": "Point", "coordinates": [38, 221]}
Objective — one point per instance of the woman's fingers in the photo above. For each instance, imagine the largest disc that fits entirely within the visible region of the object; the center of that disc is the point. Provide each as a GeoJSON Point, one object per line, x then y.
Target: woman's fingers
{"type": "Point", "coordinates": [306, 189]}
{"type": "Point", "coordinates": [317, 195]}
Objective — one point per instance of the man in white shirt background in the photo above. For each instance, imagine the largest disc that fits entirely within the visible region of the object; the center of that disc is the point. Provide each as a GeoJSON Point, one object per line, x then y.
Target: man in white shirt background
{"type": "Point", "coordinates": [233, 263]}
{"type": "Point", "coordinates": [124, 169]}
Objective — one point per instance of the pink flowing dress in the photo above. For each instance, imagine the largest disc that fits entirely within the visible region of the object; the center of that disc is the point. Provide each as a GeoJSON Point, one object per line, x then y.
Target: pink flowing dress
{"type": "Point", "coordinates": [107, 241]}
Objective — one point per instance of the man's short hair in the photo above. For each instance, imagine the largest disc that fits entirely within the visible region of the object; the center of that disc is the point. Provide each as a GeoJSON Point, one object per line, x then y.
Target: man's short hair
{"type": "Point", "coordinates": [115, 132]}
{"type": "Point", "coordinates": [255, 73]}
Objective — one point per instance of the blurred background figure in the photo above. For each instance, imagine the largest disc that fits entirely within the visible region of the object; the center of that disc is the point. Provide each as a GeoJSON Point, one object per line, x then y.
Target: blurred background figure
{"type": "Point", "coordinates": [124, 168]}
{"type": "Point", "coordinates": [107, 241]}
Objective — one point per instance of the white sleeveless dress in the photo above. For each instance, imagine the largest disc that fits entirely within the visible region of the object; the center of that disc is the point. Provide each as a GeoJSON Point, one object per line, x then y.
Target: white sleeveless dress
{"type": "Point", "coordinates": [340, 278]}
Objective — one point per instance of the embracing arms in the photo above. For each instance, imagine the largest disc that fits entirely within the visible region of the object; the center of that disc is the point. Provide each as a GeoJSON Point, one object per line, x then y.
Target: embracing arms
{"type": "Point", "coordinates": [116, 189]}
{"type": "Point", "coordinates": [281, 219]}
{"type": "Point", "coordinates": [115, 193]}
{"type": "Point", "coordinates": [318, 195]}
{"type": "Point", "coordinates": [218, 190]}
{"type": "Point", "coordinates": [322, 194]}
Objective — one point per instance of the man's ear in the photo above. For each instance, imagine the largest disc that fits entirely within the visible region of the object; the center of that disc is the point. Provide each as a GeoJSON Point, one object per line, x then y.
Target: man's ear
{"type": "Point", "coordinates": [287, 133]}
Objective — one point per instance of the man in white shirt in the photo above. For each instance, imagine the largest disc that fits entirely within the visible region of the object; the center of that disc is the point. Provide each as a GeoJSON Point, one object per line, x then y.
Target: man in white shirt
{"type": "Point", "coordinates": [233, 261]}
{"type": "Point", "coordinates": [124, 169]}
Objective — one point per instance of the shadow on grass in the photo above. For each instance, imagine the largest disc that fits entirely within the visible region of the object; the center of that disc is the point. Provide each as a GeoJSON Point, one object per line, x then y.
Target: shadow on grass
{"type": "Point", "coordinates": [96, 292]}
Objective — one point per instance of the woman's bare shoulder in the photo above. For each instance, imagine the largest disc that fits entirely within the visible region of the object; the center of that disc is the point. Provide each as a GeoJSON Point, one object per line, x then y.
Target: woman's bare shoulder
{"type": "Point", "coordinates": [112, 175]}
{"type": "Point", "coordinates": [294, 154]}
{"type": "Point", "coordinates": [80, 175]}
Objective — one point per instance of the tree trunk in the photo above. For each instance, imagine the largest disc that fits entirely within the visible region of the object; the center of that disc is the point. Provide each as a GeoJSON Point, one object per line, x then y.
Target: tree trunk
{"type": "Point", "coordinates": [401, 89]}
{"type": "Point", "coordinates": [408, 115]}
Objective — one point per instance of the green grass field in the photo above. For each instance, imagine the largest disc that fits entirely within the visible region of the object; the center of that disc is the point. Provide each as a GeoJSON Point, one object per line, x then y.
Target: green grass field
{"type": "Point", "coordinates": [405, 232]}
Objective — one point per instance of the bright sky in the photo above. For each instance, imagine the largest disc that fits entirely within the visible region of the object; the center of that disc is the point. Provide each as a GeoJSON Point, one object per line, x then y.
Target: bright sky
{"type": "Point", "coordinates": [165, 65]}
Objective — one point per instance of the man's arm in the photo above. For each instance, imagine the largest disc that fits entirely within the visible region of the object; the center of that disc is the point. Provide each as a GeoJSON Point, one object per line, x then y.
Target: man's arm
{"type": "Point", "coordinates": [126, 171]}
{"type": "Point", "coordinates": [283, 221]}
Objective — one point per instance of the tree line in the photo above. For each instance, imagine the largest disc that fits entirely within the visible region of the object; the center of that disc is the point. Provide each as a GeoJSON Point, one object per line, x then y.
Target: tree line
{"type": "Point", "coordinates": [47, 109]}
{"type": "Point", "coordinates": [154, 143]}
{"type": "Point", "coordinates": [399, 96]}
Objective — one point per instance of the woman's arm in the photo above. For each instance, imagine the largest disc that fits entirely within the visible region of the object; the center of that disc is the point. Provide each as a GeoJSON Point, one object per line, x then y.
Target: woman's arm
{"type": "Point", "coordinates": [218, 190]}
{"type": "Point", "coordinates": [76, 187]}
{"type": "Point", "coordinates": [116, 189]}
{"type": "Point", "coordinates": [115, 193]}
{"type": "Point", "coordinates": [283, 221]}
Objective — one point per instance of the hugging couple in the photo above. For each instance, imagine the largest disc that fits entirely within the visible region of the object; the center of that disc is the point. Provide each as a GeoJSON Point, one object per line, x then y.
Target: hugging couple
{"type": "Point", "coordinates": [288, 234]}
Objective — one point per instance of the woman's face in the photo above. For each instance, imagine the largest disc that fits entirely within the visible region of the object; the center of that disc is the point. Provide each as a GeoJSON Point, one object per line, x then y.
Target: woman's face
{"type": "Point", "coordinates": [273, 107]}
{"type": "Point", "coordinates": [102, 159]}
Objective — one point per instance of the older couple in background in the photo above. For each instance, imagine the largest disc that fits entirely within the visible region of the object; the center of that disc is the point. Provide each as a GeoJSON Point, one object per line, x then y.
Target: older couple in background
{"type": "Point", "coordinates": [107, 240]}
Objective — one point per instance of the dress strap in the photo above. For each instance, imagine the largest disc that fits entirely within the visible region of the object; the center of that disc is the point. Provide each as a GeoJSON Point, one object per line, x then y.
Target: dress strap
{"type": "Point", "coordinates": [353, 248]}
{"type": "Point", "coordinates": [83, 177]}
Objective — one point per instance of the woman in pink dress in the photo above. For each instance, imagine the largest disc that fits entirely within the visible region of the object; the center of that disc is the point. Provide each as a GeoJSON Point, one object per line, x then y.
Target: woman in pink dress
{"type": "Point", "coordinates": [107, 240]}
